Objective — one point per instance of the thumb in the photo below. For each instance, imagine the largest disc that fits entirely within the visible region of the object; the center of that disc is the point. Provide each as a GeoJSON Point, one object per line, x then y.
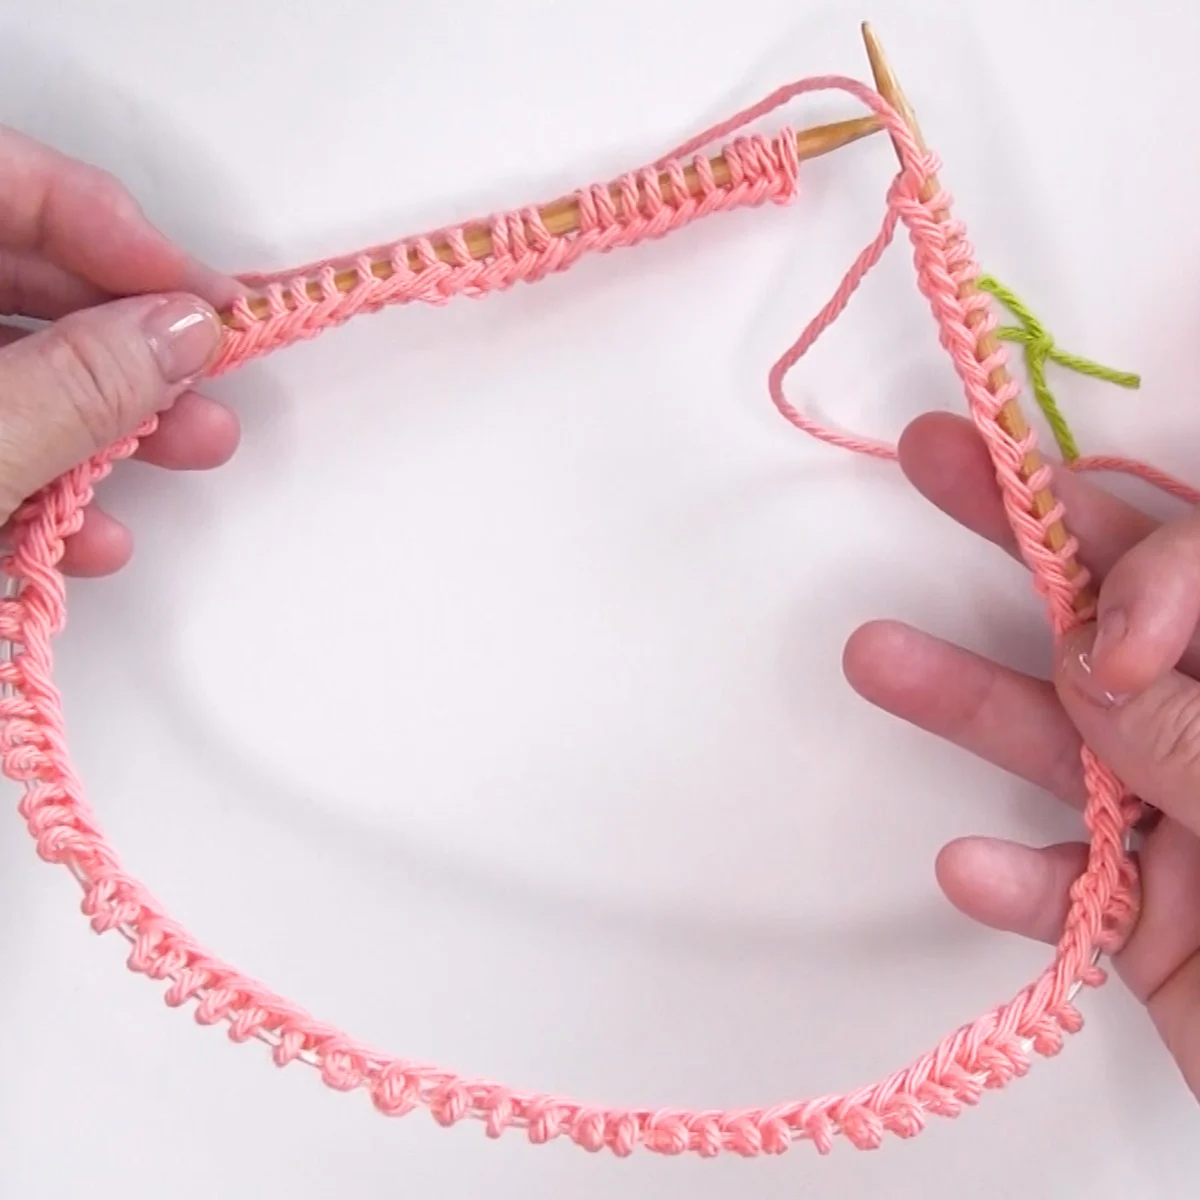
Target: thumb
{"type": "Point", "coordinates": [1149, 606]}
{"type": "Point", "coordinates": [1150, 738]}
{"type": "Point", "coordinates": [91, 378]}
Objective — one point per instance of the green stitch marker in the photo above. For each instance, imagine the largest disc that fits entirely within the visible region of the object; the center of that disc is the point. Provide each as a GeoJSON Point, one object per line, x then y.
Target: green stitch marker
{"type": "Point", "coordinates": [1039, 349]}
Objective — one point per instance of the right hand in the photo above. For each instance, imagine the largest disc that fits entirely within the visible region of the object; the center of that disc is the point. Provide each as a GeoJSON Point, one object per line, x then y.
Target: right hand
{"type": "Point", "coordinates": [1135, 701]}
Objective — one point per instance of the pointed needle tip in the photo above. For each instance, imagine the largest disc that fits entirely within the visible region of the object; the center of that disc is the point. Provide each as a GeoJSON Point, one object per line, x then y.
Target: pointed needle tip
{"type": "Point", "coordinates": [886, 83]}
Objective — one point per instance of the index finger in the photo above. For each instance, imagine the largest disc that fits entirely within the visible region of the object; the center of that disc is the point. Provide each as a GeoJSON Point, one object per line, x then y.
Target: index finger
{"type": "Point", "coordinates": [84, 221]}
{"type": "Point", "coordinates": [945, 459]}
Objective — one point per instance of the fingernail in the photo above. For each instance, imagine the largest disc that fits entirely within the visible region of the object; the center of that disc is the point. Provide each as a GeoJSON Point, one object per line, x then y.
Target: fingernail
{"type": "Point", "coordinates": [183, 334]}
{"type": "Point", "coordinates": [1109, 632]}
{"type": "Point", "coordinates": [1078, 652]}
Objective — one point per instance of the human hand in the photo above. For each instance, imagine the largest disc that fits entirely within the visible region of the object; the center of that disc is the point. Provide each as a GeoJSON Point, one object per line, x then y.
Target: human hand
{"type": "Point", "coordinates": [1132, 694]}
{"type": "Point", "coordinates": [72, 241]}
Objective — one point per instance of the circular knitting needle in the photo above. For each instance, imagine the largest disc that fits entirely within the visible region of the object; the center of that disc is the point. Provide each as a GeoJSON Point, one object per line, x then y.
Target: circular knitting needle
{"type": "Point", "coordinates": [561, 217]}
{"type": "Point", "coordinates": [1010, 418]}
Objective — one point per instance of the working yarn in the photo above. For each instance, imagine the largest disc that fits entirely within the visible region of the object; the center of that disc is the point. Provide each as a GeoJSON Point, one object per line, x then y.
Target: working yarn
{"type": "Point", "coordinates": [988, 1053]}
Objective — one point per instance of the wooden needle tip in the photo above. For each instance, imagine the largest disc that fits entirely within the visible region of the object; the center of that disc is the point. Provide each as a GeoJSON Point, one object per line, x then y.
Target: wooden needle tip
{"type": "Point", "coordinates": [886, 83]}
{"type": "Point", "coordinates": [880, 68]}
{"type": "Point", "coordinates": [1010, 418]}
{"type": "Point", "coordinates": [826, 138]}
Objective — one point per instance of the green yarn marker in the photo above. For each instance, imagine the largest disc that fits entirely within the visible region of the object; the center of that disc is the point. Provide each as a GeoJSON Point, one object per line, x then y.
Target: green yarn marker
{"type": "Point", "coordinates": [1040, 349]}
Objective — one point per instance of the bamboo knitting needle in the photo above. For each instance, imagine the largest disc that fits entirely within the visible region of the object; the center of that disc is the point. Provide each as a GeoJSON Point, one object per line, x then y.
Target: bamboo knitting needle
{"type": "Point", "coordinates": [562, 216]}
{"type": "Point", "coordinates": [1010, 418]}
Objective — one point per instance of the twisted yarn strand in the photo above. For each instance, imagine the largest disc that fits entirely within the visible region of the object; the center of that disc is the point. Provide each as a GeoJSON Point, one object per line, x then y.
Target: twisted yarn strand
{"type": "Point", "coordinates": [985, 1054]}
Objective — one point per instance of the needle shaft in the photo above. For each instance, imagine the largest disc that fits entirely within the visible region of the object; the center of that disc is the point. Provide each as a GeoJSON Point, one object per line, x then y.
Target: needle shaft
{"type": "Point", "coordinates": [1011, 418]}
{"type": "Point", "coordinates": [561, 217]}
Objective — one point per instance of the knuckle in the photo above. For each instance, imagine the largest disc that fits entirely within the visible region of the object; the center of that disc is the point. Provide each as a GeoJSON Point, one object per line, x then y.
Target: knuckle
{"type": "Point", "coordinates": [93, 384]}
{"type": "Point", "coordinates": [111, 195]}
{"type": "Point", "coordinates": [1171, 725]}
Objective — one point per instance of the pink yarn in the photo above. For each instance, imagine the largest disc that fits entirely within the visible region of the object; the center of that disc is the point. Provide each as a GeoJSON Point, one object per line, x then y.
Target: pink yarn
{"type": "Point", "coordinates": [986, 1054]}
{"type": "Point", "coordinates": [525, 251]}
{"type": "Point", "coordinates": [1139, 470]}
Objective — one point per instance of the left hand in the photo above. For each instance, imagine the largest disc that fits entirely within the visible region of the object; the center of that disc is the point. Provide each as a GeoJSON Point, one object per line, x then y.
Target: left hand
{"type": "Point", "coordinates": [76, 252]}
{"type": "Point", "coordinates": [1133, 697]}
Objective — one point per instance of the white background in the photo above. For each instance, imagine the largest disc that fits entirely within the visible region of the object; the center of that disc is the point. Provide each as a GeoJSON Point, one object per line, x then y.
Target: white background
{"type": "Point", "coordinates": [489, 704]}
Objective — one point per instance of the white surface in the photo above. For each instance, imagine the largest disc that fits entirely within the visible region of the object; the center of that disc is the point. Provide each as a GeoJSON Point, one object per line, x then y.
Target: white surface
{"type": "Point", "coordinates": [490, 703]}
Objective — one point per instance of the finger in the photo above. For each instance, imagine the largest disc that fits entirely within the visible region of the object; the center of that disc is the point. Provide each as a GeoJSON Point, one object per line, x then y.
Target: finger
{"type": "Point", "coordinates": [194, 434]}
{"type": "Point", "coordinates": [1148, 607]}
{"type": "Point", "coordinates": [1006, 718]}
{"type": "Point", "coordinates": [1175, 1008]}
{"type": "Point", "coordinates": [95, 376]}
{"type": "Point", "coordinates": [31, 286]}
{"type": "Point", "coordinates": [81, 219]}
{"type": "Point", "coordinates": [1011, 887]}
{"type": "Point", "coordinates": [947, 462]}
{"type": "Point", "coordinates": [101, 546]}
{"type": "Point", "coordinates": [10, 334]}
{"type": "Point", "coordinates": [1168, 929]}
{"type": "Point", "coordinates": [1150, 739]}
{"type": "Point", "coordinates": [1023, 890]}
{"type": "Point", "coordinates": [199, 434]}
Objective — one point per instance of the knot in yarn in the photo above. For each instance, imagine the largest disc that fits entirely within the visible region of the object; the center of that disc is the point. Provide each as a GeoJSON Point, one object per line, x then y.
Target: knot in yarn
{"type": "Point", "coordinates": [1040, 348]}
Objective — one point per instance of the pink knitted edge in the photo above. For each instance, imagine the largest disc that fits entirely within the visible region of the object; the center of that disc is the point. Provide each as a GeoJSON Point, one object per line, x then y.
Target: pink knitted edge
{"type": "Point", "coordinates": [987, 1053]}
{"type": "Point", "coordinates": [761, 169]}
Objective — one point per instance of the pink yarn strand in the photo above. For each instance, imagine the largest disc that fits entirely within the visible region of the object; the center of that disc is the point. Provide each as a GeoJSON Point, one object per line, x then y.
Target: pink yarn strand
{"type": "Point", "coordinates": [985, 1054]}
{"type": "Point", "coordinates": [1138, 470]}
